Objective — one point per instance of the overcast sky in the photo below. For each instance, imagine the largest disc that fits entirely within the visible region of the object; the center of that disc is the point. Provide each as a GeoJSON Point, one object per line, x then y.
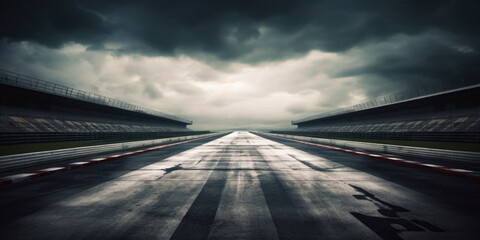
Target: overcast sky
{"type": "Point", "coordinates": [242, 64]}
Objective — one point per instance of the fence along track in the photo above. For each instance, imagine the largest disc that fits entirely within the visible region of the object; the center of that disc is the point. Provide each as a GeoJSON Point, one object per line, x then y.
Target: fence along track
{"type": "Point", "coordinates": [16, 161]}
{"type": "Point", "coordinates": [390, 149]}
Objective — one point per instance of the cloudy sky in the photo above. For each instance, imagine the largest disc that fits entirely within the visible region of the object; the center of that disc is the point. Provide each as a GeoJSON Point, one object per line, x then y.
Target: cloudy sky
{"type": "Point", "coordinates": [242, 64]}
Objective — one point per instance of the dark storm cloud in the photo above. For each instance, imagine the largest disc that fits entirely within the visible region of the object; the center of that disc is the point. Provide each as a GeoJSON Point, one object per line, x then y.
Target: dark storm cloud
{"type": "Point", "coordinates": [224, 28]}
{"type": "Point", "coordinates": [406, 62]}
{"type": "Point", "coordinates": [253, 31]}
{"type": "Point", "coordinates": [51, 23]}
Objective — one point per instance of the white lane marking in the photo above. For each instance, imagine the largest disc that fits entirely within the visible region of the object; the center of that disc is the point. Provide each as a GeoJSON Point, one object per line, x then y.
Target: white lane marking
{"type": "Point", "coordinates": [25, 176]}
{"type": "Point", "coordinates": [459, 170]}
{"type": "Point", "coordinates": [432, 165]}
{"type": "Point", "coordinates": [52, 169]}
{"type": "Point", "coordinates": [20, 177]}
{"type": "Point", "coordinates": [392, 158]}
{"type": "Point", "coordinates": [78, 163]}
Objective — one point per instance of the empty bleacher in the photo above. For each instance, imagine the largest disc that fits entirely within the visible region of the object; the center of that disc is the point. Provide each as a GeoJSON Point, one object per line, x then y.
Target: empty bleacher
{"type": "Point", "coordinates": [29, 113]}
{"type": "Point", "coordinates": [19, 120]}
{"type": "Point", "coordinates": [448, 115]}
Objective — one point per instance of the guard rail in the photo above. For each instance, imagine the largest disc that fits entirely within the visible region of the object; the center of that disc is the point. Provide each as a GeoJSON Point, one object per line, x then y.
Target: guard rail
{"type": "Point", "coordinates": [429, 153]}
{"type": "Point", "coordinates": [16, 161]}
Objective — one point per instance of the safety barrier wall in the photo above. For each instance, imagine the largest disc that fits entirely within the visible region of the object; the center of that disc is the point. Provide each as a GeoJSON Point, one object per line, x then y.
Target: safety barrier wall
{"type": "Point", "coordinates": [28, 159]}
{"type": "Point", "coordinates": [24, 138]}
{"type": "Point", "coordinates": [460, 137]}
{"type": "Point", "coordinates": [389, 149]}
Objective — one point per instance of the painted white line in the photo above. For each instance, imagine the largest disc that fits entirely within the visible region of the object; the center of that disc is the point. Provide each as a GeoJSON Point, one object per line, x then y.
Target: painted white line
{"type": "Point", "coordinates": [460, 170]}
{"type": "Point", "coordinates": [432, 165]}
{"type": "Point", "coordinates": [25, 176]}
{"type": "Point", "coordinates": [395, 159]}
{"type": "Point", "coordinates": [20, 177]}
{"type": "Point", "coordinates": [472, 173]}
{"type": "Point", "coordinates": [78, 163]}
{"type": "Point", "coordinates": [52, 169]}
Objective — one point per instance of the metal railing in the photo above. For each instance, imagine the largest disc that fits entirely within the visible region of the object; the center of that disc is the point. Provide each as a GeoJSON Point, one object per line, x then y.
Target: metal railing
{"type": "Point", "coordinates": [395, 98]}
{"type": "Point", "coordinates": [430, 153]}
{"type": "Point", "coordinates": [457, 137]}
{"type": "Point", "coordinates": [26, 138]}
{"type": "Point", "coordinates": [16, 161]}
{"type": "Point", "coordinates": [19, 80]}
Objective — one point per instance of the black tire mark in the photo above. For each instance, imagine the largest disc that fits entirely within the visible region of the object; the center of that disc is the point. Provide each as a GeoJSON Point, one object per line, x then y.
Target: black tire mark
{"type": "Point", "coordinates": [199, 218]}
{"type": "Point", "coordinates": [290, 224]}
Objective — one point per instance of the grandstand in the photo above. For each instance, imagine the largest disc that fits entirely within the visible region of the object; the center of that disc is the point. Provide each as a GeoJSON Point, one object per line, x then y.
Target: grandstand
{"type": "Point", "coordinates": [440, 113]}
{"type": "Point", "coordinates": [33, 110]}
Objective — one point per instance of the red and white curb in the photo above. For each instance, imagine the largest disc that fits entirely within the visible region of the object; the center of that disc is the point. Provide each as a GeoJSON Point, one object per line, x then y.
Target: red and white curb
{"type": "Point", "coordinates": [454, 171]}
{"type": "Point", "coordinates": [47, 171]}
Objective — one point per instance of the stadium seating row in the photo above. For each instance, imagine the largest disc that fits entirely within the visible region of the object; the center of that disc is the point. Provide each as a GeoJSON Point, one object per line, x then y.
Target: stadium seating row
{"type": "Point", "coordinates": [438, 123]}
{"type": "Point", "coordinates": [36, 121]}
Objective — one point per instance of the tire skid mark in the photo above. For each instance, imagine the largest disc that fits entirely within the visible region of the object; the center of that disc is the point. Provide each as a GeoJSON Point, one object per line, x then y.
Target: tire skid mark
{"type": "Point", "coordinates": [198, 220]}
{"type": "Point", "coordinates": [452, 171]}
{"type": "Point", "coordinates": [289, 222]}
{"type": "Point", "coordinates": [43, 172]}
{"type": "Point", "coordinates": [383, 225]}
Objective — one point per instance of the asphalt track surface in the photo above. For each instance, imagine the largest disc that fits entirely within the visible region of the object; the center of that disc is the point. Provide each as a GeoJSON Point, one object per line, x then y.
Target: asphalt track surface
{"type": "Point", "coordinates": [242, 186]}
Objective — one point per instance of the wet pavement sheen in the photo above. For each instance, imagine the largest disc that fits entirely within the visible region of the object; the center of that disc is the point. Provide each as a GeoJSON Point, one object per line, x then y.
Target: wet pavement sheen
{"type": "Point", "coordinates": [242, 186]}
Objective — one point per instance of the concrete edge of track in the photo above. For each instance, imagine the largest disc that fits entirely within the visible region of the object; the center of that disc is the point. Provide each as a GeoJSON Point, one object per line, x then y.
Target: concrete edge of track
{"type": "Point", "coordinates": [435, 167]}
{"type": "Point", "coordinates": [19, 161]}
{"type": "Point", "coordinates": [47, 171]}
